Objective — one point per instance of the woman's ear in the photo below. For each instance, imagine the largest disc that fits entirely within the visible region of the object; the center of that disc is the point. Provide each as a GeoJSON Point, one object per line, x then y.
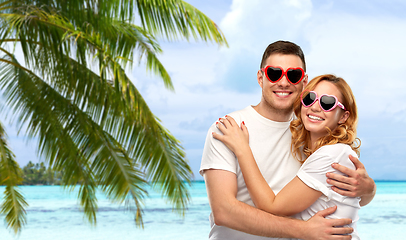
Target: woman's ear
{"type": "Point", "coordinates": [344, 117]}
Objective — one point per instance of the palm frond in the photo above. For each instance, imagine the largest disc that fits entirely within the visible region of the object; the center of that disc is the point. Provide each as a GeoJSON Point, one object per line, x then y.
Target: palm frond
{"type": "Point", "coordinates": [117, 42]}
{"type": "Point", "coordinates": [73, 95]}
{"type": "Point", "coordinates": [173, 18]}
{"type": "Point", "coordinates": [158, 152]}
{"type": "Point", "coordinates": [13, 204]}
{"type": "Point", "coordinates": [70, 140]}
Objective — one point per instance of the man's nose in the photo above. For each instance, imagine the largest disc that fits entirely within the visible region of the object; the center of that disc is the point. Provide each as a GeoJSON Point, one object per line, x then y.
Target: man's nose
{"type": "Point", "coordinates": [284, 82]}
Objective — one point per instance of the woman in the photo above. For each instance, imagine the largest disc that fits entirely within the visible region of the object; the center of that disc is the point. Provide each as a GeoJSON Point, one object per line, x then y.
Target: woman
{"type": "Point", "coordinates": [323, 133]}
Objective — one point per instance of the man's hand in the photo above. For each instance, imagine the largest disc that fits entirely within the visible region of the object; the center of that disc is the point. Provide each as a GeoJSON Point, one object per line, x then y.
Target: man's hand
{"type": "Point", "coordinates": [320, 228]}
{"type": "Point", "coordinates": [357, 184]}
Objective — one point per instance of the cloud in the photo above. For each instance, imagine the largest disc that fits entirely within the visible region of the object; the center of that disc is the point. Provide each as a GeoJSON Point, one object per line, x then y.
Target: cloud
{"type": "Point", "coordinates": [339, 37]}
{"type": "Point", "coordinates": [250, 27]}
{"type": "Point", "coordinates": [361, 41]}
{"type": "Point", "coordinates": [366, 51]}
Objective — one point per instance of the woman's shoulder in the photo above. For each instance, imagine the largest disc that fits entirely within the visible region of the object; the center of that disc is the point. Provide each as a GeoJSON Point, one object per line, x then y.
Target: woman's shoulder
{"type": "Point", "coordinates": [334, 149]}
{"type": "Point", "coordinates": [338, 153]}
{"type": "Point", "coordinates": [332, 152]}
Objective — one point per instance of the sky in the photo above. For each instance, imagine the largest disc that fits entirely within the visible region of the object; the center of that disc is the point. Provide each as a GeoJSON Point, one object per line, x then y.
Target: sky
{"type": "Point", "coordinates": [361, 41]}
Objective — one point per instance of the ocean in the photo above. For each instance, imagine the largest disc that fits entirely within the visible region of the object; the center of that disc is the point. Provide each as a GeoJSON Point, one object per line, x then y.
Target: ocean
{"type": "Point", "coordinates": [54, 214]}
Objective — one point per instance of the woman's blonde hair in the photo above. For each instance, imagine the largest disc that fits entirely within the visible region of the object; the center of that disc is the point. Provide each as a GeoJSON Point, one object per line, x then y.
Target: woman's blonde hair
{"type": "Point", "coordinates": [344, 133]}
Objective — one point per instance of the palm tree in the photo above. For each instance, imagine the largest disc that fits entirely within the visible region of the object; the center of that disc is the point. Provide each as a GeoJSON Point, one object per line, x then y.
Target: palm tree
{"type": "Point", "coordinates": [72, 94]}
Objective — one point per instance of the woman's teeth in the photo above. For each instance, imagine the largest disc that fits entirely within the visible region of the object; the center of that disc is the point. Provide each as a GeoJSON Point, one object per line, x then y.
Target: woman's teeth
{"type": "Point", "coordinates": [315, 118]}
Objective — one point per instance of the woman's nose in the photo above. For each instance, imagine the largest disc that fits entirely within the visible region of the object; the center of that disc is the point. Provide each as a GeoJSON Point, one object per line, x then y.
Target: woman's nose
{"type": "Point", "coordinates": [316, 106]}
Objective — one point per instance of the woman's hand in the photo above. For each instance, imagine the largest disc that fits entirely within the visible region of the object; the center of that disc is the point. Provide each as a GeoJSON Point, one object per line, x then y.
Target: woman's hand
{"type": "Point", "coordinates": [234, 137]}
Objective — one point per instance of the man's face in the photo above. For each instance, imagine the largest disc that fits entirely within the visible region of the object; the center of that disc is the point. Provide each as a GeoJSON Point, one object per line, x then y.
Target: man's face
{"type": "Point", "coordinates": [281, 95]}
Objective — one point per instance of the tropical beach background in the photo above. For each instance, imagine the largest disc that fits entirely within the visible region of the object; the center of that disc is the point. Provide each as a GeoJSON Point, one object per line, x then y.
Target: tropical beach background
{"type": "Point", "coordinates": [361, 41]}
{"type": "Point", "coordinates": [54, 214]}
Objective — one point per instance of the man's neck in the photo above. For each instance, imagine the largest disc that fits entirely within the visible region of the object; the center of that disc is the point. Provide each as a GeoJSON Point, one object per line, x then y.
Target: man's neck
{"type": "Point", "coordinates": [273, 114]}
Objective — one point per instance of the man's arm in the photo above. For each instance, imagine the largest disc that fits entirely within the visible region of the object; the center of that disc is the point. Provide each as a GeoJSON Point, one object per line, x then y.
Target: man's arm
{"type": "Point", "coordinates": [229, 212]}
{"type": "Point", "coordinates": [357, 184]}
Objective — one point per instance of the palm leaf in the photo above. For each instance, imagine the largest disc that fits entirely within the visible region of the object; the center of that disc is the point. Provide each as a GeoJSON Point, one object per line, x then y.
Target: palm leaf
{"type": "Point", "coordinates": [173, 18]}
{"type": "Point", "coordinates": [10, 175]}
{"type": "Point", "coordinates": [74, 96]}
{"type": "Point", "coordinates": [71, 141]}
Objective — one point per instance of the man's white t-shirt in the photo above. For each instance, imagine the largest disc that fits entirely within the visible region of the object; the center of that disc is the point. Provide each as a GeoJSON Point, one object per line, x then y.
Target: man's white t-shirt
{"type": "Point", "coordinates": [313, 174]}
{"type": "Point", "coordinates": [270, 144]}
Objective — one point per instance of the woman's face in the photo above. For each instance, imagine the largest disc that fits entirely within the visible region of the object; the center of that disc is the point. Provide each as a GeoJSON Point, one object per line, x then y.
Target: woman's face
{"type": "Point", "coordinates": [316, 120]}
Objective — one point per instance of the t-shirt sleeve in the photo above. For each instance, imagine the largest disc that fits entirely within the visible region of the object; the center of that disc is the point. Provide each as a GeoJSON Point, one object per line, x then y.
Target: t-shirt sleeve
{"type": "Point", "coordinates": [313, 171]}
{"type": "Point", "coordinates": [216, 155]}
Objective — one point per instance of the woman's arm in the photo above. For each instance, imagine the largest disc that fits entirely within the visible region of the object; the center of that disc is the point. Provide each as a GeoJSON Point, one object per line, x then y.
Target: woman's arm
{"type": "Point", "coordinates": [293, 198]}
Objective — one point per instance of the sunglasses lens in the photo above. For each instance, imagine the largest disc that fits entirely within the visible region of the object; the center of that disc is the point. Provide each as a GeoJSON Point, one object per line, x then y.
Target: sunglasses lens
{"type": "Point", "coordinates": [295, 75]}
{"type": "Point", "coordinates": [308, 98]}
{"type": "Point", "coordinates": [327, 102]}
{"type": "Point", "coordinates": [274, 74]}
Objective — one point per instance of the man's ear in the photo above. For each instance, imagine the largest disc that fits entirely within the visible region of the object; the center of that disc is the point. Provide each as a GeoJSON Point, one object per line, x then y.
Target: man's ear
{"type": "Point", "coordinates": [305, 81]}
{"type": "Point", "coordinates": [260, 78]}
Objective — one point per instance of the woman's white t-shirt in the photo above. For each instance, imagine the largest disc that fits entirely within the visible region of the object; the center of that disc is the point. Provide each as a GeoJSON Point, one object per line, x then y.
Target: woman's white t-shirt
{"type": "Point", "coordinates": [313, 174]}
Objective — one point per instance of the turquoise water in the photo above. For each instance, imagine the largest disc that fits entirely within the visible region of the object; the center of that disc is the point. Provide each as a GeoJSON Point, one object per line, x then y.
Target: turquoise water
{"type": "Point", "coordinates": [54, 214]}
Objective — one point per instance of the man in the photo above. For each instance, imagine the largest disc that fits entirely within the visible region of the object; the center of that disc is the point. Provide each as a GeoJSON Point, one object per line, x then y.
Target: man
{"type": "Point", "coordinates": [233, 215]}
